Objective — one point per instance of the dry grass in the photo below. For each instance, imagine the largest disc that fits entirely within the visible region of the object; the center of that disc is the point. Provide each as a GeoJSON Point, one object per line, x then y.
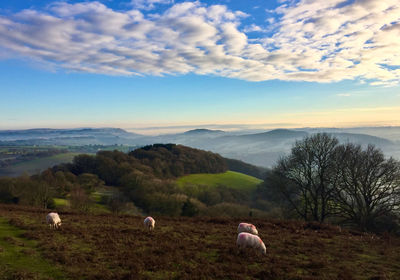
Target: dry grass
{"type": "Point", "coordinates": [118, 247]}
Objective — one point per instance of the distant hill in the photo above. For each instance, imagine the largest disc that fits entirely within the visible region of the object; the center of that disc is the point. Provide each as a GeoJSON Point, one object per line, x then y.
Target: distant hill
{"type": "Point", "coordinates": [391, 133]}
{"type": "Point", "coordinates": [34, 166]}
{"type": "Point", "coordinates": [202, 131]}
{"type": "Point", "coordinates": [246, 168]}
{"type": "Point", "coordinates": [73, 137]}
{"type": "Point", "coordinates": [264, 149]}
{"type": "Point", "coordinates": [260, 149]}
{"type": "Point", "coordinates": [362, 139]}
{"type": "Point", "coordinates": [276, 134]}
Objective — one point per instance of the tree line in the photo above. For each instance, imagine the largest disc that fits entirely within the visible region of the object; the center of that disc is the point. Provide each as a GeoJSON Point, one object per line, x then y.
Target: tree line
{"type": "Point", "coordinates": [323, 180]}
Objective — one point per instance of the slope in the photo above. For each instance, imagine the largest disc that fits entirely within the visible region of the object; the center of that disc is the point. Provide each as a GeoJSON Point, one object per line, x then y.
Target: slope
{"type": "Point", "coordinates": [118, 247]}
{"type": "Point", "coordinates": [230, 179]}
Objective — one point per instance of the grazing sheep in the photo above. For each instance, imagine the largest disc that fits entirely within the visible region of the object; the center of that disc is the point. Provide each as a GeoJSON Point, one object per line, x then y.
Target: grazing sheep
{"type": "Point", "coordinates": [245, 227]}
{"type": "Point", "coordinates": [149, 223]}
{"type": "Point", "coordinates": [248, 240]}
{"type": "Point", "coordinates": [53, 220]}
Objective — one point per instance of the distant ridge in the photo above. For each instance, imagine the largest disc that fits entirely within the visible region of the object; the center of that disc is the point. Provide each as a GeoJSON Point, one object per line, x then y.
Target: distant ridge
{"type": "Point", "coordinates": [363, 139]}
{"type": "Point", "coordinates": [74, 136]}
{"type": "Point", "coordinates": [63, 130]}
{"type": "Point", "coordinates": [261, 148]}
{"type": "Point", "coordinates": [203, 131]}
{"type": "Point", "coordinates": [276, 134]}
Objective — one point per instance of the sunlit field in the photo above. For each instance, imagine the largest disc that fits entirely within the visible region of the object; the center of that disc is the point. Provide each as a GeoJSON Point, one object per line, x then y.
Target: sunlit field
{"type": "Point", "coordinates": [118, 247]}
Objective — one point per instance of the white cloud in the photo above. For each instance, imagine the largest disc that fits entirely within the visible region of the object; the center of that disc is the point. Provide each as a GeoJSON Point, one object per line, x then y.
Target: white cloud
{"type": "Point", "coordinates": [321, 41]}
{"type": "Point", "coordinates": [270, 20]}
{"type": "Point", "coordinates": [346, 42]}
{"type": "Point", "coordinates": [148, 4]}
{"type": "Point", "coordinates": [343, 94]}
{"type": "Point", "coordinates": [252, 28]}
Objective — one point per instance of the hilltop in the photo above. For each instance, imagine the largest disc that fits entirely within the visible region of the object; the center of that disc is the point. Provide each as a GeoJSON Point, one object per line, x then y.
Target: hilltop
{"type": "Point", "coordinates": [118, 247]}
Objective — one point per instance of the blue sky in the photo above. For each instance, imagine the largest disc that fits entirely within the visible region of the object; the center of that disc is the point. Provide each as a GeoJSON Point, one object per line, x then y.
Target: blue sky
{"type": "Point", "coordinates": [150, 63]}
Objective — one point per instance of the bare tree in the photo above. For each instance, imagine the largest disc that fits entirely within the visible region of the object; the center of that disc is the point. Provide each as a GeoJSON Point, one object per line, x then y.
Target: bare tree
{"type": "Point", "coordinates": [33, 191]}
{"type": "Point", "coordinates": [80, 199]}
{"type": "Point", "coordinates": [307, 177]}
{"type": "Point", "coordinates": [369, 185]}
{"type": "Point", "coordinates": [43, 194]}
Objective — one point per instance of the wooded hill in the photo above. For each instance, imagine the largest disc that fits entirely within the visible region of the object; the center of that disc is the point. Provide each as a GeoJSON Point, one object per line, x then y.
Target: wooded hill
{"type": "Point", "coordinates": [162, 161]}
{"type": "Point", "coordinates": [146, 177]}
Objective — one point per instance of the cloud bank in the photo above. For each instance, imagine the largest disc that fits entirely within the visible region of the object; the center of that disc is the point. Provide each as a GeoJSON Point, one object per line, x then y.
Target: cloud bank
{"type": "Point", "coordinates": [316, 41]}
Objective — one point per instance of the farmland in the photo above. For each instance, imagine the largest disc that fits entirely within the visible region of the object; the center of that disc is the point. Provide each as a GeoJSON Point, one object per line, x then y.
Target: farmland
{"type": "Point", "coordinates": [36, 165]}
{"type": "Point", "coordinates": [30, 159]}
{"type": "Point", "coordinates": [117, 247]}
{"type": "Point", "coordinates": [229, 179]}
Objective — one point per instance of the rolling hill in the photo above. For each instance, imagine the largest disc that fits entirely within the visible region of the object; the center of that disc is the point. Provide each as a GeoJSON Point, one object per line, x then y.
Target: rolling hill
{"type": "Point", "coordinates": [144, 178]}
{"type": "Point", "coordinates": [264, 148]}
{"type": "Point", "coordinates": [261, 149]}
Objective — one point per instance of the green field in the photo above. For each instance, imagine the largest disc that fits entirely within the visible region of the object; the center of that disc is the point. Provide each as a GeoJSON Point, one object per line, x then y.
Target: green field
{"type": "Point", "coordinates": [37, 165]}
{"type": "Point", "coordinates": [97, 207]}
{"type": "Point", "coordinates": [19, 257]}
{"type": "Point", "coordinates": [231, 179]}
{"type": "Point", "coordinates": [61, 202]}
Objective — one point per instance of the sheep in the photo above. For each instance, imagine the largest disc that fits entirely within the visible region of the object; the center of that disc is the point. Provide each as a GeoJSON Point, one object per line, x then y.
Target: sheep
{"type": "Point", "coordinates": [245, 227]}
{"type": "Point", "coordinates": [149, 223]}
{"type": "Point", "coordinates": [53, 220]}
{"type": "Point", "coordinates": [248, 240]}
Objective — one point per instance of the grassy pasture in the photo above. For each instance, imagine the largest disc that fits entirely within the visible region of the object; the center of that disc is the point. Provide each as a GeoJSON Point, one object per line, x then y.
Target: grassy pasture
{"type": "Point", "coordinates": [118, 247]}
{"type": "Point", "coordinates": [97, 207]}
{"type": "Point", "coordinates": [230, 179]}
{"type": "Point", "coordinates": [61, 202]}
{"type": "Point", "coordinates": [20, 258]}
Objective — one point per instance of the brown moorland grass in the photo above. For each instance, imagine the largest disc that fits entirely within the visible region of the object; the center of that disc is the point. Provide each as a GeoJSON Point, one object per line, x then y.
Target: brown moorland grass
{"type": "Point", "coordinates": [118, 247]}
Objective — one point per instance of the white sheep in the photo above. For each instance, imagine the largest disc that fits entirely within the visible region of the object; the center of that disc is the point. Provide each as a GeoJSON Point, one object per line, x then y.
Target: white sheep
{"type": "Point", "coordinates": [245, 227]}
{"type": "Point", "coordinates": [149, 223]}
{"type": "Point", "coordinates": [248, 240]}
{"type": "Point", "coordinates": [53, 220]}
